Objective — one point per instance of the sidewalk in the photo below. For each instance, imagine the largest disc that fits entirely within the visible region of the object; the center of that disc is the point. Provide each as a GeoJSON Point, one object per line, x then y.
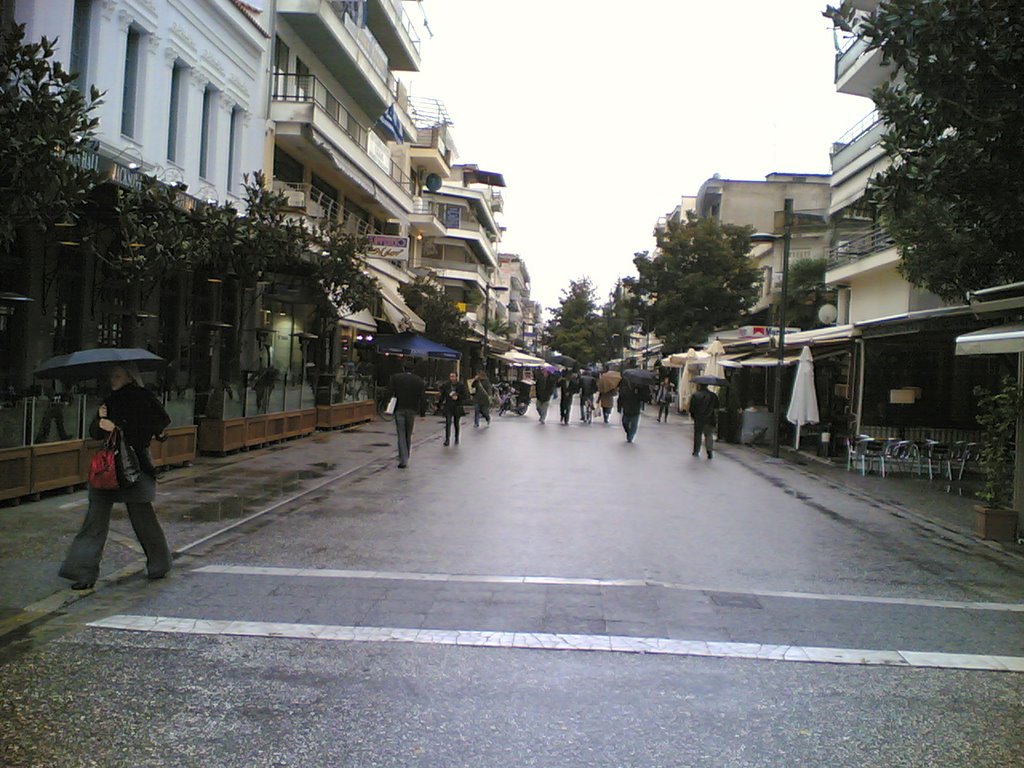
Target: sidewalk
{"type": "Point", "coordinates": [193, 503]}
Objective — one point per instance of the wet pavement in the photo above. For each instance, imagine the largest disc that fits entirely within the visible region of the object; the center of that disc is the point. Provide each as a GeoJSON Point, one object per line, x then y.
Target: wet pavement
{"type": "Point", "coordinates": [539, 595]}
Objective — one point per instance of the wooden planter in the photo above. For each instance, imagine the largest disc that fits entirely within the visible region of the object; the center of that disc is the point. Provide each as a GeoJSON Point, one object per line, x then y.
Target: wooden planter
{"type": "Point", "coordinates": [344, 414]}
{"type": "Point", "coordinates": [61, 464]}
{"type": "Point", "coordinates": [226, 435]}
{"type": "Point", "coordinates": [995, 524]}
{"type": "Point", "coordinates": [179, 448]}
{"type": "Point", "coordinates": [221, 435]}
{"type": "Point", "coordinates": [15, 473]}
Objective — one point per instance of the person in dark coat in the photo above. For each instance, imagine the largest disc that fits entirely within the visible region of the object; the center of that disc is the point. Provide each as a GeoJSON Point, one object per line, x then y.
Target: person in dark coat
{"type": "Point", "coordinates": [410, 392]}
{"type": "Point", "coordinates": [482, 393]}
{"type": "Point", "coordinates": [588, 388]}
{"type": "Point", "coordinates": [665, 396]}
{"type": "Point", "coordinates": [140, 417]}
{"type": "Point", "coordinates": [629, 405]}
{"type": "Point", "coordinates": [704, 411]}
{"type": "Point", "coordinates": [454, 397]}
{"type": "Point", "coordinates": [567, 387]}
{"type": "Point", "coordinates": [544, 389]}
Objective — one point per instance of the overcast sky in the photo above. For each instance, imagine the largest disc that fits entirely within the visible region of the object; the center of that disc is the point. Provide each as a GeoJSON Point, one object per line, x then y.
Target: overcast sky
{"type": "Point", "coordinates": [601, 115]}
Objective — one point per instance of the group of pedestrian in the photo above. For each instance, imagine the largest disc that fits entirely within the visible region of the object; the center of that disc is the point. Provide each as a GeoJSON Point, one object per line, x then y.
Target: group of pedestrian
{"type": "Point", "coordinates": [629, 398]}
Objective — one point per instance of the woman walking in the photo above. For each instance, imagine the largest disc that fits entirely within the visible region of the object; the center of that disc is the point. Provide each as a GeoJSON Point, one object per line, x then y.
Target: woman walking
{"type": "Point", "coordinates": [482, 393]}
{"type": "Point", "coordinates": [139, 415]}
{"type": "Point", "coordinates": [454, 395]}
{"type": "Point", "coordinates": [664, 398]}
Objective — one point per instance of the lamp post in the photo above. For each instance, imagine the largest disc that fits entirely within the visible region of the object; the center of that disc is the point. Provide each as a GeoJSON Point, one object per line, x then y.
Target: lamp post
{"type": "Point", "coordinates": [787, 237]}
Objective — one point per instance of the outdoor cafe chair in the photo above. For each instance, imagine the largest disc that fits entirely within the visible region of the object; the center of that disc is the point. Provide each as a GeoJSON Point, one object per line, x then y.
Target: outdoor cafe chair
{"type": "Point", "coordinates": [938, 457]}
{"type": "Point", "coordinates": [870, 453]}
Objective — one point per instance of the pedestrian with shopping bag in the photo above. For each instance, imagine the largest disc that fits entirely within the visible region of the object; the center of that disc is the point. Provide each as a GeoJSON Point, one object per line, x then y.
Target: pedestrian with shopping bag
{"type": "Point", "coordinates": [410, 395]}
{"type": "Point", "coordinates": [129, 418]}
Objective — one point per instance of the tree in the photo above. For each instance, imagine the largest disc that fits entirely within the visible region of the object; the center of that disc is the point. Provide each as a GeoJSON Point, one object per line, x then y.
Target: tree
{"type": "Point", "coordinates": [700, 279]}
{"type": "Point", "coordinates": [807, 293]}
{"type": "Point", "coordinates": [444, 322]}
{"type": "Point", "coordinates": [576, 328]}
{"type": "Point", "coordinates": [46, 125]}
{"type": "Point", "coordinates": [952, 197]}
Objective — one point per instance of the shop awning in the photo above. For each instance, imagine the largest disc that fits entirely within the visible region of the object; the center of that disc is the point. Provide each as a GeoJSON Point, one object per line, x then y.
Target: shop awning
{"type": "Point", "coordinates": [768, 362]}
{"type": "Point", "coordinates": [363, 319]}
{"type": "Point", "coordinates": [999, 340]}
{"type": "Point", "coordinates": [520, 359]}
{"type": "Point", "coordinates": [397, 311]}
{"type": "Point", "coordinates": [414, 345]}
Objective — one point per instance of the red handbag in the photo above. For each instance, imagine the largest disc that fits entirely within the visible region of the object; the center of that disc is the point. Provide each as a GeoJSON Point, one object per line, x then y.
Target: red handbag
{"type": "Point", "coordinates": [103, 467]}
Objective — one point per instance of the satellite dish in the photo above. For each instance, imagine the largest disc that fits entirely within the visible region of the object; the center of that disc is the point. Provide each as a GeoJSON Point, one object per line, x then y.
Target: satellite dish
{"type": "Point", "coordinates": [828, 314]}
{"type": "Point", "coordinates": [433, 182]}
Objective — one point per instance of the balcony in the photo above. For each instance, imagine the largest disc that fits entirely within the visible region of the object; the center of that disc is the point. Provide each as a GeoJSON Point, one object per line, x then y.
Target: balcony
{"type": "Point", "coordinates": [858, 70]}
{"type": "Point", "coordinates": [875, 241]}
{"type": "Point", "coordinates": [430, 149]}
{"type": "Point", "coordinates": [864, 136]}
{"type": "Point", "coordinates": [393, 28]}
{"type": "Point", "coordinates": [446, 269]}
{"type": "Point", "coordinates": [303, 99]}
{"type": "Point", "coordinates": [349, 51]}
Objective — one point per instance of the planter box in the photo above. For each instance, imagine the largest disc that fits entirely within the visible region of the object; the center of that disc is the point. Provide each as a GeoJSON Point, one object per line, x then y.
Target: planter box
{"type": "Point", "coordinates": [15, 472]}
{"type": "Point", "coordinates": [179, 448]}
{"type": "Point", "coordinates": [256, 430]}
{"type": "Point", "coordinates": [344, 414]}
{"type": "Point", "coordinates": [221, 435]}
{"type": "Point", "coordinates": [61, 464]}
{"type": "Point", "coordinates": [995, 524]}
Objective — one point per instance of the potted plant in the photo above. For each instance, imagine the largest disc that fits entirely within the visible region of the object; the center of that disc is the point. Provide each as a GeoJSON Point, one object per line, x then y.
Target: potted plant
{"type": "Point", "coordinates": [998, 414]}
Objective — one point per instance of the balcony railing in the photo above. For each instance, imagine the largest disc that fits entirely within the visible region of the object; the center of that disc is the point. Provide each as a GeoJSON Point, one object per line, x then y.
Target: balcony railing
{"type": "Point", "coordinates": [309, 89]}
{"type": "Point", "coordinates": [875, 241]}
{"type": "Point", "coordinates": [861, 137]}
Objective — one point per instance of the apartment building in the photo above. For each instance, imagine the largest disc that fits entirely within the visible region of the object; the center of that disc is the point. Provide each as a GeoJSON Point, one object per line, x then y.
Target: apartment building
{"type": "Point", "coordinates": [863, 259]}
{"type": "Point", "coordinates": [760, 204]}
{"type": "Point", "coordinates": [514, 279]}
{"type": "Point", "coordinates": [457, 235]}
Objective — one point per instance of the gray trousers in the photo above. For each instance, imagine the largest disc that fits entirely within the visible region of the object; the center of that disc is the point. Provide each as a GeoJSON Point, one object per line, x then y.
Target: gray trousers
{"type": "Point", "coordinates": [705, 430]}
{"type": "Point", "coordinates": [82, 562]}
{"type": "Point", "coordinates": [542, 409]}
{"type": "Point", "coordinates": [404, 422]}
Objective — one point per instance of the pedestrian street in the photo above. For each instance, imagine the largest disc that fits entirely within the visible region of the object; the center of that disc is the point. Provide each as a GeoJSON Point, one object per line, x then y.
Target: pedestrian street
{"type": "Point", "coordinates": [547, 595]}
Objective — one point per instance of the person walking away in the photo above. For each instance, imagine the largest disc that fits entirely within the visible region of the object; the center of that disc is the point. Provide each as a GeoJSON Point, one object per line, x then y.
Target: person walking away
{"type": "Point", "coordinates": [567, 387]}
{"type": "Point", "coordinates": [454, 396]}
{"type": "Point", "coordinates": [410, 392]}
{"type": "Point", "coordinates": [544, 388]}
{"type": "Point", "coordinates": [139, 415]}
{"type": "Point", "coordinates": [482, 393]}
{"type": "Point", "coordinates": [666, 392]}
{"type": "Point", "coordinates": [629, 405]}
{"type": "Point", "coordinates": [588, 386]}
{"type": "Point", "coordinates": [704, 411]}
{"type": "Point", "coordinates": [607, 402]}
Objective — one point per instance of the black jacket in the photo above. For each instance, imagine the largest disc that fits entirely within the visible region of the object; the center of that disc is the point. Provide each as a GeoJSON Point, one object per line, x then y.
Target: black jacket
{"type": "Point", "coordinates": [704, 406]}
{"type": "Point", "coordinates": [544, 387]}
{"type": "Point", "coordinates": [629, 399]}
{"type": "Point", "coordinates": [140, 417]}
{"type": "Point", "coordinates": [410, 391]}
{"type": "Point", "coordinates": [454, 406]}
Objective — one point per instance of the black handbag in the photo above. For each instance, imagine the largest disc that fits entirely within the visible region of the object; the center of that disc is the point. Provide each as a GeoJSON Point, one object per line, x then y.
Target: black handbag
{"type": "Point", "coordinates": [129, 472]}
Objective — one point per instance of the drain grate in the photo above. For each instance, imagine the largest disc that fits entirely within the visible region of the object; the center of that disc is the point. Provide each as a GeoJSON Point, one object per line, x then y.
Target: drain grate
{"type": "Point", "coordinates": [734, 600]}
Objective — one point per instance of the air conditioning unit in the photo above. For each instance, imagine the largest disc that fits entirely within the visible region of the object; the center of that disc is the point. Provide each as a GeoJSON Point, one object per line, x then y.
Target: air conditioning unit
{"type": "Point", "coordinates": [295, 198]}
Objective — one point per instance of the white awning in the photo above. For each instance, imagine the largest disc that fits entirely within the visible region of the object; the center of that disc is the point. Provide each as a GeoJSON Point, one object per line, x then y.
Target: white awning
{"type": "Point", "coordinates": [521, 359]}
{"type": "Point", "coordinates": [363, 319]}
{"type": "Point", "coordinates": [999, 340]}
{"type": "Point", "coordinates": [398, 312]}
{"type": "Point", "coordinates": [768, 362]}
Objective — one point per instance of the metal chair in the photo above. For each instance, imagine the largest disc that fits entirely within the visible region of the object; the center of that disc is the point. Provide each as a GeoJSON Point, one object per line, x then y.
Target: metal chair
{"type": "Point", "coordinates": [872, 454]}
{"type": "Point", "coordinates": [939, 455]}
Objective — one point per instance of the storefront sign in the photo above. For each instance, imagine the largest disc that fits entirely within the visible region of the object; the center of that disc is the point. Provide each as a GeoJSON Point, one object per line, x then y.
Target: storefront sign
{"type": "Point", "coordinates": [389, 247]}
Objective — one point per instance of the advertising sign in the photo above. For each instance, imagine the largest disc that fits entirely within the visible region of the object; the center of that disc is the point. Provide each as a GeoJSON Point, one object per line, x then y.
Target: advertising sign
{"type": "Point", "coordinates": [389, 247]}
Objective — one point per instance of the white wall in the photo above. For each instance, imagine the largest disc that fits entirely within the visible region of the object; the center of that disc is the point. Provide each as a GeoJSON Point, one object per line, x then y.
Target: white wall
{"type": "Point", "coordinates": [218, 44]}
{"type": "Point", "coordinates": [878, 294]}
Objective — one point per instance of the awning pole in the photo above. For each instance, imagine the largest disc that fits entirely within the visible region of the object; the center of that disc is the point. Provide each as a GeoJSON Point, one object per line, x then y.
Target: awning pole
{"type": "Point", "coordinates": [786, 238]}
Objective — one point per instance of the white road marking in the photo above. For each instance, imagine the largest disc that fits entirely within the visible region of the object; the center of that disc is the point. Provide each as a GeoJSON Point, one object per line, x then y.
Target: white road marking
{"type": "Point", "coordinates": [563, 642]}
{"type": "Point", "coordinates": [329, 573]}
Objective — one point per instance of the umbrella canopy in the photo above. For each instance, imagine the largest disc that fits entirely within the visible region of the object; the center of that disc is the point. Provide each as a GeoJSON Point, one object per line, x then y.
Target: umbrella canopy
{"type": "Point", "coordinates": [714, 381]}
{"type": "Point", "coordinates": [608, 381]}
{"type": "Point", "coordinates": [637, 376]}
{"type": "Point", "coordinates": [521, 360]}
{"type": "Point", "coordinates": [94, 363]}
{"type": "Point", "coordinates": [803, 406]}
{"type": "Point", "coordinates": [414, 345]}
{"type": "Point", "coordinates": [565, 360]}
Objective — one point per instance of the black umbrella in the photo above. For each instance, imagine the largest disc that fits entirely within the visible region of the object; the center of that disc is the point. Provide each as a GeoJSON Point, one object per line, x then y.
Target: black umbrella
{"type": "Point", "coordinates": [565, 360]}
{"type": "Point", "coordinates": [638, 376]}
{"type": "Point", "coordinates": [713, 381]}
{"type": "Point", "coordinates": [94, 363]}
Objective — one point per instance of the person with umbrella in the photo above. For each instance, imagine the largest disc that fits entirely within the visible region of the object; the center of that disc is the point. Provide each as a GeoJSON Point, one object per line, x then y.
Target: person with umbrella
{"type": "Point", "coordinates": [607, 384]}
{"type": "Point", "coordinates": [630, 403]}
{"type": "Point", "coordinates": [140, 417]}
{"type": "Point", "coordinates": [588, 386]}
{"type": "Point", "coordinates": [704, 412]}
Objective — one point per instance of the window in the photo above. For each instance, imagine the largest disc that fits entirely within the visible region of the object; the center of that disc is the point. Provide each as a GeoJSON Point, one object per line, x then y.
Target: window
{"type": "Point", "coordinates": [287, 168]}
{"type": "Point", "coordinates": [206, 131]}
{"type": "Point", "coordinates": [129, 97]}
{"type": "Point", "coordinates": [234, 148]}
{"type": "Point", "coordinates": [79, 60]}
{"type": "Point", "coordinates": [175, 120]}
{"type": "Point", "coordinates": [303, 82]}
{"type": "Point", "coordinates": [281, 56]}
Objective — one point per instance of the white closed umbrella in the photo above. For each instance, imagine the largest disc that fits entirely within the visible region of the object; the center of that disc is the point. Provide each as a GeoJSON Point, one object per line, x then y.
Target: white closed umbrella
{"type": "Point", "coordinates": [685, 388]}
{"type": "Point", "coordinates": [714, 366]}
{"type": "Point", "coordinates": [803, 405]}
